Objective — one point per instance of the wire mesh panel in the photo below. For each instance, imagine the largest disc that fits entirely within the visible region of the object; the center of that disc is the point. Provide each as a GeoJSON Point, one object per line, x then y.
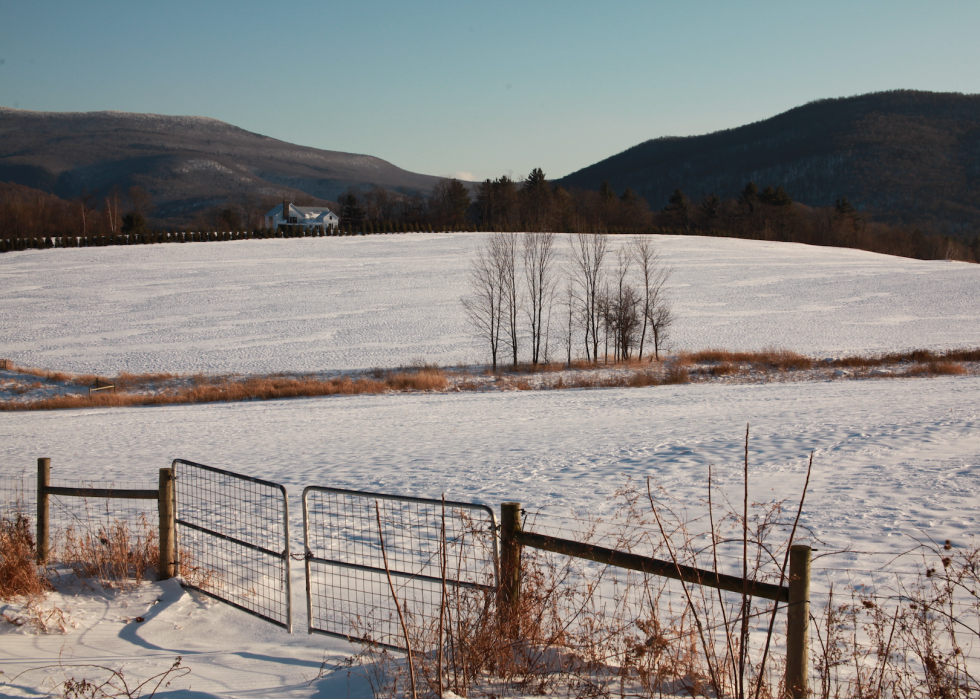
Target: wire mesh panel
{"type": "Point", "coordinates": [427, 543]}
{"type": "Point", "coordinates": [233, 539]}
{"type": "Point", "coordinates": [18, 495]}
{"type": "Point", "coordinates": [75, 517]}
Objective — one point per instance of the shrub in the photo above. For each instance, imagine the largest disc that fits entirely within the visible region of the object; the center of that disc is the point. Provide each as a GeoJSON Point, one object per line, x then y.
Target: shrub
{"type": "Point", "coordinates": [20, 575]}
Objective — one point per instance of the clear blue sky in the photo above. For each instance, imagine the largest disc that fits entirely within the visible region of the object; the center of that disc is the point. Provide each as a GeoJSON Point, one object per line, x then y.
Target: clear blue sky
{"type": "Point", "coordinates": [477, 89]}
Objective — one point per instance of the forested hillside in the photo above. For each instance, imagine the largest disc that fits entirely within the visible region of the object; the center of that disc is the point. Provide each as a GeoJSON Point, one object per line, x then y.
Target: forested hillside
{"type": "Point", "coordinates": [904, 156]}
{"type": "Point", "coordinates": [185, 164]}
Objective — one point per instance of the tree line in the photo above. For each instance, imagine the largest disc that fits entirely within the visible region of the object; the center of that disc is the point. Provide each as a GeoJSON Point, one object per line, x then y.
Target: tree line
{"type": "Point", "coordinates": [534, 204]}
{"type": "Point", "coordinates": [531, 293]}
{"type": "Point", "coordinates": [503, 204]}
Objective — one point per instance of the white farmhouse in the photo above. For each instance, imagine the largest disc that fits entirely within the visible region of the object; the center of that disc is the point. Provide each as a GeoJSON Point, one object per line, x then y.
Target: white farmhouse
{"type": "Point", "coordinates": [305, 216]}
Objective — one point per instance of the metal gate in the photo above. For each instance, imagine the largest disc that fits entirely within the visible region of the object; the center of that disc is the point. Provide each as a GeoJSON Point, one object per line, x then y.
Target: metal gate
{"type": "Point", "coordinates": [348, 594]}
{"type": "Point", "coordinates": [233, 539]}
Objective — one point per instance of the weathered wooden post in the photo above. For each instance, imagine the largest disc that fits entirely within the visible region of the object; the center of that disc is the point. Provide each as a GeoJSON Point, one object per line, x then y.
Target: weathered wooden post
{"type": "Point", "coordinates": [43, 510]}
{"type": "Point", "coordinates": [798, 621]}
{"type": "Point", "coordinates": [510, 561]}
{"type": "Point", "coordinates": [165, 504]}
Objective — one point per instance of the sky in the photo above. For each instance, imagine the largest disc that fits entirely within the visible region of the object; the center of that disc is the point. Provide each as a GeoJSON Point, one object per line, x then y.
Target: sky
{"type": "Point", "coordinates": [477, 90]}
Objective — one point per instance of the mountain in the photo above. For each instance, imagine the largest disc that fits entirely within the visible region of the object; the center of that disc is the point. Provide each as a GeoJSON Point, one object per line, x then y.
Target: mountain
{"type": "Point", "coordinates": [906, 156]}
{"type": "Point", "coordinates": [186, 163]}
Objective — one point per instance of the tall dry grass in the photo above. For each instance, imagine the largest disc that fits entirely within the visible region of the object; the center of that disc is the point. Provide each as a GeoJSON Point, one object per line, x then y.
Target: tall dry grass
{"type": "Point", "coordinates": [113, 552]}
{"type": "Point", "coordinates": [20, 575]}
{"type": "Point", "coordinates": [586, 630]}
{"type": "Point", "coordinates": [211, 389]}
{"type": "Point", "coordinates": [770, 358]}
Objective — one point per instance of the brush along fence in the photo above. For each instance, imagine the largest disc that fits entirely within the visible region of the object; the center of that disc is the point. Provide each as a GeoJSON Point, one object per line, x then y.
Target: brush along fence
{"type": "Point", "coordinates": [617, 620]}
{"type": "Point", "coordinates": [433, 548]}
{"type": "Point", "coordinates": [233, 539]}
{"type": "Point", "coordinates": [74, 509]}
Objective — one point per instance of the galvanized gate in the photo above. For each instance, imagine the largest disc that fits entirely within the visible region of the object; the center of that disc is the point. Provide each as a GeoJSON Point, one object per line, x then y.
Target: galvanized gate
{"type": "Point", "coordinates": [233, 539]}
{"type": "Point", "coordinates": [348, 593]}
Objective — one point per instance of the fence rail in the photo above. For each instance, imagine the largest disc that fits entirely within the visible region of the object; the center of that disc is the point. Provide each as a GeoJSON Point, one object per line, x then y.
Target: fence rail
{"type": "Point", "coordinates": [234, 546]}
{"type": "Point", "coordinates": [797, 594]}
{"type": "Point", "coordinates": [43, 511]}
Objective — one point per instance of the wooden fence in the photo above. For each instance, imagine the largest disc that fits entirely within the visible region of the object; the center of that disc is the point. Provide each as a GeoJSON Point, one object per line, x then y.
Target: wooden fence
{"type": "Point", "coordinates": [164, 495]}
{"type": "Point", "coordinates": [796, 595]}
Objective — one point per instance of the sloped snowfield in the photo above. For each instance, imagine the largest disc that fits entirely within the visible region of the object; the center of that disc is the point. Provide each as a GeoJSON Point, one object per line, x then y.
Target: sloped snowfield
{"type": "Point", "coordinates": [894, 460]}
{"type": "Point", "coordinates": [359, 302]}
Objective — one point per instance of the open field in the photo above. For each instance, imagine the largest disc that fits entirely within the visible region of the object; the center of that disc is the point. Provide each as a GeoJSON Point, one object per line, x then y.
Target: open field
{"type": "Point", "coordinates": [894, 461]}
{"type": "Point", "coordinates": [328, 304]}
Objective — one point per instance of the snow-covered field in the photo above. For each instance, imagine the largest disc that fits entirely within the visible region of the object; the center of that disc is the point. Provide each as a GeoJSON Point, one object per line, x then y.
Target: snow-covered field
{"type": "Point", "coordinates": [359, 302]}
{"type": "Point", "coordinates": [894, 459]}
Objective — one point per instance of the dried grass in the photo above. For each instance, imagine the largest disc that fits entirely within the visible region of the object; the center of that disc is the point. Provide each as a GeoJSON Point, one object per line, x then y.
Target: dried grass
{"type": "Point", "coordinates": [642, 636]}
{"type": "Point", "coordinates": [169, 389]}
{"type": "Point", "coordinates": [935, 368]}
{"type": "Point", "coordinates": [724, 369]}
{"type": "Point", "coordinates": [113, 553]}
{"type": "Point", "coordinates": [677, 374]}
{"type": "Point", "coordinates": [20, 575]}
{"type": "Point", "coordinates": [771, 358]}
{"type": "Point", "coordinates": [422, 380]}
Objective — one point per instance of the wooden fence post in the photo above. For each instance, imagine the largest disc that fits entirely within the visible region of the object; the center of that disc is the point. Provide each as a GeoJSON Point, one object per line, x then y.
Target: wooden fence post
{"type": "Point", "coordinates": [510, 561]}
{"type": "Point", "coordinates": [165, 503]}
{"type": "Point", "coordinates": [798, 621]}
{"type": "Point", "coordinates": [43, 510]}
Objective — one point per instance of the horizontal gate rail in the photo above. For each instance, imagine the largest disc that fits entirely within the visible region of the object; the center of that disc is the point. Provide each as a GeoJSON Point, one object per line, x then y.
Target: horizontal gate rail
{"type": "Point", "coordinates": [399, 574]}
{"type": "Point", "coordinates": [230, 538]}
{"type": "Point", "coordinates": [235, 543]}
{"type": "Point", "coordinates": [347, 591]}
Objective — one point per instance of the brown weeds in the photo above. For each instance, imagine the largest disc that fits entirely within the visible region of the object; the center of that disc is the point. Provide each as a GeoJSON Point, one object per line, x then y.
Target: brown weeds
{"type": "Point", "coordinates": [770, 358]}
{"type": "Point", "coordinates": [935, 368]}
{"type": "Point", "coordinates": [170, 389]}
{"type": "Point", "coordinates": [422, 380]}
{"type": "Point", "coordinates": [20, 575]}
{"type": "Point", "coordinates": [113, 553]}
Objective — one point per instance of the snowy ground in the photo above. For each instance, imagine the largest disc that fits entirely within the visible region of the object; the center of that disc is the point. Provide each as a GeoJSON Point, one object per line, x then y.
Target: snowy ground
{"type": "Point", "coordinates": [317, 304]}
{"type": "Point", "coordinates": [894, 459]}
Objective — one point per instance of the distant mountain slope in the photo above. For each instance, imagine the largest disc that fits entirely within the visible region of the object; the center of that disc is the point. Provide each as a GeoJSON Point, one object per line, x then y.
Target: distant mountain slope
{"type": "Point", "coordinates": [186, 163]}
{"type": "Point", "coordinates": [907, 156]}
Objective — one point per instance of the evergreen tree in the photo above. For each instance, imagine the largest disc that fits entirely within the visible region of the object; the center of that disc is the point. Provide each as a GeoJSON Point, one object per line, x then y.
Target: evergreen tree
{"type": "Point", "coordinates": [710, 207]}
{"type": "Point", "coordinates": [678, 209]}
{"type": "Point", "coordinates": [774, 197]}
{"type": "Point", "coordinates": [133, 222]}
{"type": "Point", "coordinates": [843, 208]}
{"type": "Point", "coordinates": [749, 196]}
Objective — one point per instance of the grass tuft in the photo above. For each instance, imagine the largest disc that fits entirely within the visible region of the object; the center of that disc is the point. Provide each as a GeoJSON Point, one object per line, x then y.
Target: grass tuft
{"type": "Point", "coordinates": [20, 575]}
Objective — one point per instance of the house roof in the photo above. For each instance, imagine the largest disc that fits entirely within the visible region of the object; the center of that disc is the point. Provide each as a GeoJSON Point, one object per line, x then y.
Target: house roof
{"type": "Point", "coordinates": [304, 213]}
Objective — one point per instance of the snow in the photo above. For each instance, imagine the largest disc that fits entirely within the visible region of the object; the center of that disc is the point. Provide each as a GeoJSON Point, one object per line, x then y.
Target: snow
{"type": "Point", "coordinates": [359, 302]}
{"type": "Point", "coordinates": [894, 459]}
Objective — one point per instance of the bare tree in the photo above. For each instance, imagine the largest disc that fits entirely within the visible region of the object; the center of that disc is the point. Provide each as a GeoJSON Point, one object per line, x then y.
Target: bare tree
{"type": "Point", "coordinates": [250, 205]}
{"type": "Point", "coordinates": [85, 206]}
{"type": "Point", "coordinates": [505, 251]}
{"type": "Point", "coordinates": [570, 303]}
{"type": "Point", "coordinates": [141, 201]}
{"type": "Point", "coordinates": [621, 311]}
{"type": "Point", "coordinates": [654, 275]}
{"type": "Point", "coordinates": [112, 209]}
{"type": "Point", "coordinates": [539, 257]}
{"type": "Point", "coordinates": [661, 321]}
{"type": "Point", "coordinates": [588, 251]}
{"type": "Point", "coordinates": [484, 307]}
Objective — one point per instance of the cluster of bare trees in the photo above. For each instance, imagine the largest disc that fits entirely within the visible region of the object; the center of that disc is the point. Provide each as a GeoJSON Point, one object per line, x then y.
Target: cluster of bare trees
{"type": "Point", "coordinates": [525, 292]}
